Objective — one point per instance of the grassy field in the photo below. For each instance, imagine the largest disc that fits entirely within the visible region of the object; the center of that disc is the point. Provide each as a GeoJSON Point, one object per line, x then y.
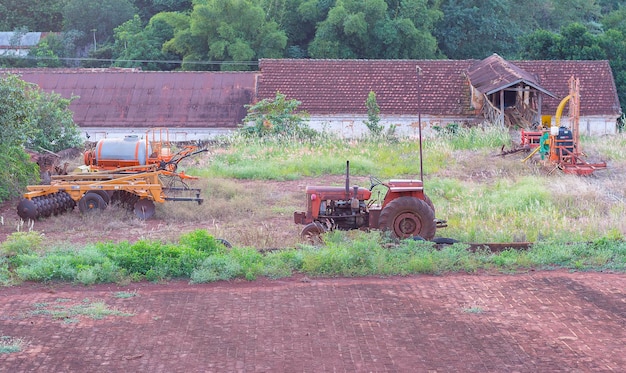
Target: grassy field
{"type": "Point", "coordinates": [252, 187]}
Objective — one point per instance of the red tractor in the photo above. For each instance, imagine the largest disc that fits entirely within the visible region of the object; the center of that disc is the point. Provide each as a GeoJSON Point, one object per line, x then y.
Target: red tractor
{"type": "Point", "coordinates": [404, 210]}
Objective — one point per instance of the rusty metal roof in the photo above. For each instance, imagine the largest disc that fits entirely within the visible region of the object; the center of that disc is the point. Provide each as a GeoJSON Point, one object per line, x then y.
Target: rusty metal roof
{"type": "Point", "coordinates": [130, 97]}
{"type": "Point", "coordinates": [494, 74]}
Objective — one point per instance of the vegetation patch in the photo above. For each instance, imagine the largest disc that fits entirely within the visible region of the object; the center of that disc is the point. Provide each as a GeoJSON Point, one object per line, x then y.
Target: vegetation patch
{"type": "Point", "coordinates": [10, 344]}
{"type": "Point", "coordinates": [70, 312]}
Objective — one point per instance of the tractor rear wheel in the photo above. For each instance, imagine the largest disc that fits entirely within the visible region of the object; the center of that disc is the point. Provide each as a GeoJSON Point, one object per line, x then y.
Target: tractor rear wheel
{"type": "Point", "coordinates": [407, 217]}
{"type": "Point", "coordinates": [91, 202]}
{"type": "Point", "coordinates": [429, 203]}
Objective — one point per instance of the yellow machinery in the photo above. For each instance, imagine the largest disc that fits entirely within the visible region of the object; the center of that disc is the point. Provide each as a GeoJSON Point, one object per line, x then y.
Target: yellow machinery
{"type": "Point", "coordinates": [130, 171]}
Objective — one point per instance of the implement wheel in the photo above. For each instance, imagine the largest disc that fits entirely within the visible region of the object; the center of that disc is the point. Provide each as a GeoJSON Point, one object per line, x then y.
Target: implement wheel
{"type": "Point", "coordinates": [144, 209]}
{"type": "Point", "coordinates": [312, 233]}
{"type": "Point", "coordinates": [91, 202]}
{"type": "Point", "coordinates": [407, 217]}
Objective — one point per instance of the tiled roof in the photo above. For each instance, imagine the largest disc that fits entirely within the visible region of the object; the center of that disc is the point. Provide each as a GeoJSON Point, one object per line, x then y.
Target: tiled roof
{"type": "Point", "coordinates": [342, 86]}
{"type": "Point", "coordinates": [128, 97]}
{"type": "Point", "coordinates": [598, 95]}
{"type": "Point", "coordinates": [494, 73]}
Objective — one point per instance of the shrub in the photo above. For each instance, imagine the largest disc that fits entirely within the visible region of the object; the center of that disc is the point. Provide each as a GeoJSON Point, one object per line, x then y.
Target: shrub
{"type": "Point", "coordinates": [278, 116]}
{"type": "Point", "coordinates": [21, 243]}
{"type": "Point", "coordinates": [216, 268]}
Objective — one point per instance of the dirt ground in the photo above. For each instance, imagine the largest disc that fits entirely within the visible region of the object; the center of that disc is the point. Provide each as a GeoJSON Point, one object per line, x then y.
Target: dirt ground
{"type": "Point", "coordinates": [548, 321]}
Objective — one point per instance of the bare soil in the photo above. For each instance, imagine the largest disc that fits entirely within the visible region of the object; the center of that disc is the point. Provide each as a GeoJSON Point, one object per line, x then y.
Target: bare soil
{"type": "Point", "coordinates": [546, 321]}
{"type": "Point", "coordinates": [550, 321]}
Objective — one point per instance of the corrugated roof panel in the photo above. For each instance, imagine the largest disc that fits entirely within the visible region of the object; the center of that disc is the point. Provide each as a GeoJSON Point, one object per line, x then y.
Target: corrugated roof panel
{"type": "Point", "coordinates": [126, 97]}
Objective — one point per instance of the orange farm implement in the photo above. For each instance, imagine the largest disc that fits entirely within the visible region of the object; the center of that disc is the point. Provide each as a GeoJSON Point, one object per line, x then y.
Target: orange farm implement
{"type": "Point", "coordinates": [133, 172]}
{"type": "Point", "coordinates": [560, 144]}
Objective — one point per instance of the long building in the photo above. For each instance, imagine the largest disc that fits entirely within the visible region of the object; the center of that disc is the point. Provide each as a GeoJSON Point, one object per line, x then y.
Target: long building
{"type": "Point", "coordinates": [410, 93]}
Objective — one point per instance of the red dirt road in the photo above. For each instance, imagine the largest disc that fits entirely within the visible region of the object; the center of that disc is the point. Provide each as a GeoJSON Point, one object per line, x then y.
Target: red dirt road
{"type": "Point", "coordinates": [547, 321]}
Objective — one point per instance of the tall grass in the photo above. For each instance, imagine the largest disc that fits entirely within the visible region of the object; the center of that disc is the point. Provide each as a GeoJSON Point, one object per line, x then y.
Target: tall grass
{"type": "Point", "coordinates": [287, 159]}
{"type": "Point", "coordinates": [576, 222]}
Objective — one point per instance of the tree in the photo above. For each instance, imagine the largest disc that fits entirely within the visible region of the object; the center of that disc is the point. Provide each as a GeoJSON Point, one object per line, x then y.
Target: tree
{"type": "Point", "coordinates": [15, 110]}
{"type": "Point", "coordinates": [136, 46]}
{"type": "Point", "coordinates": [477, 29]}
{"type": "Point", "coordinates": [298, 19]}
{"type": "Point", "coordinates": [96, 19]}
{"type": "Point", "coordinates": [38, 16]}
{"type": "Point", "coordinates": [149, 8]}
{"type": "Point", "coordinates": [575, 42]}
{"type": "Point", "coordinates": [236, 31]}
{"type": "Point", "coordinates": [357, 29]}
{"type": "Point", "coordinates": [29, 118]}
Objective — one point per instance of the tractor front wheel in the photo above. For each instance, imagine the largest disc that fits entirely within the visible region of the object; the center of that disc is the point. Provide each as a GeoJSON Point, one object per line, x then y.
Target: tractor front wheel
{"type": "Point", "coordinates": [407, 217]}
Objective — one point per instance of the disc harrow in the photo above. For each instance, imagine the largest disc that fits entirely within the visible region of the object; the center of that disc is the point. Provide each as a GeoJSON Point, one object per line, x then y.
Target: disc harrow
{"type": "Point", "coordinates": [93, 191]}
{"type": "Point", "coordinates": [45, 206]}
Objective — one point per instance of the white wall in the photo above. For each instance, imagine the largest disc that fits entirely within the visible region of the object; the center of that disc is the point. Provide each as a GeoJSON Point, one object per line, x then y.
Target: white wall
{"type": "Point", "coordinates": [594, 125]}
{"type": "Point", "coordinates": [354, 126]}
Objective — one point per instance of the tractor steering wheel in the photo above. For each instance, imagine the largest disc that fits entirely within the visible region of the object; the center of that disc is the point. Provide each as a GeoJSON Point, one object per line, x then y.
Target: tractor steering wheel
{"type": "Point", "coordinates": [374, 181]}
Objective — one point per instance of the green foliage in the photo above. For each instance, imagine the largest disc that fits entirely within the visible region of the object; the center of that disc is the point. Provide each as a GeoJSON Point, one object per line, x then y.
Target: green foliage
{"type": "Point", "coordinates": [41, 15]}
{"type": "Point", "coordinates": [16, 109]}
{"type": "Point", "coordinates": [30, 118]}
{"type": "Point", "coordinates": [202, 241]}
{"type": "Point", "coordinates": [577, 42]}
{"type": "Point", "coordinates": [153, 260]}
{"type": "Point", "coordinates": [18, 172]}
{"type": "Point", "coordinates": [344, 254]}
{"type": "Point", "coordinates": [278, 116]}
{"type": "Point", "coordinates": [5, 274]}
{"type": "Point", "coordinates": [53, 123]}
{"type": "Point", "coordinates": [372, 29]}
{"type": "Point", "coordinates": [373, 115]}
{"type": "Point", "coordinates": [10, 345]}
{"type": "Point", "coordinates": [477, 28]}
{"type": "Point", "coordinates": [236, 31]}
{"type": "Point", "coordinates": [216, 268]}
{"type": "Point", "coordinates": [134, 44]}
{"type": "Point", "coordinates": [70, 312]}
{"type": "Point", "coordinates": [473, 138]}
{"type": "Point", "coordinates": [21, 243]}
{"type": "Point", "coordinates": [96, 19]}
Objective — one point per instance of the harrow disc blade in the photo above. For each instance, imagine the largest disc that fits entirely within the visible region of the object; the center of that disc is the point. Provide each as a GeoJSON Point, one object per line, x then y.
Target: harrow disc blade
{"type": "Point", "coordinates": [144, 209]}
{"type": "Point", "coordinates": [27, 209]}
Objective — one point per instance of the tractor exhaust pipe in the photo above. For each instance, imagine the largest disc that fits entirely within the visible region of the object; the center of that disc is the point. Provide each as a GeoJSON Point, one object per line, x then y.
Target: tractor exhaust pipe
{"type": "Point", "coordinates": [347, 179]}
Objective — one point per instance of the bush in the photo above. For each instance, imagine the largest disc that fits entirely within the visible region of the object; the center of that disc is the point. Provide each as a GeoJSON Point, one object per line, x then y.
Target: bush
{"type": "Point", "coordinates": [18, 172]}
{"type": "Point", "coordinates": [216, 268]}
{"type": "Point", "coordinates": [21, 243]}
{"type": "Point", "coordinates": [274, 117]}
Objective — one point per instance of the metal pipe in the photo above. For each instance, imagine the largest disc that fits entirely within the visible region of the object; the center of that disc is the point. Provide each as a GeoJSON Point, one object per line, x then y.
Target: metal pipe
{"type": "Point", "coordinates": [419, 118]}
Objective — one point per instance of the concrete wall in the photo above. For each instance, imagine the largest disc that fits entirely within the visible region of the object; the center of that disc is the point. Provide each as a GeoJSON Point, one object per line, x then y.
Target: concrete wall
{"type": "Point", "coordinates": [353, 125]}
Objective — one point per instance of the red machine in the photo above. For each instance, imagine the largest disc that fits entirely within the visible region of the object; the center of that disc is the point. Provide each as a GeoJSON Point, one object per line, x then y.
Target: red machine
{"type": "Point", "coordinates": [404, 210]}
{"type": "Point", "coordinates": [561, 145]}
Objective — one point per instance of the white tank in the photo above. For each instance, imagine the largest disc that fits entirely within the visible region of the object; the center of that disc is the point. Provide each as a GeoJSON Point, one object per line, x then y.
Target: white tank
{"type": "Point", "coordinates": [130, 148]}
